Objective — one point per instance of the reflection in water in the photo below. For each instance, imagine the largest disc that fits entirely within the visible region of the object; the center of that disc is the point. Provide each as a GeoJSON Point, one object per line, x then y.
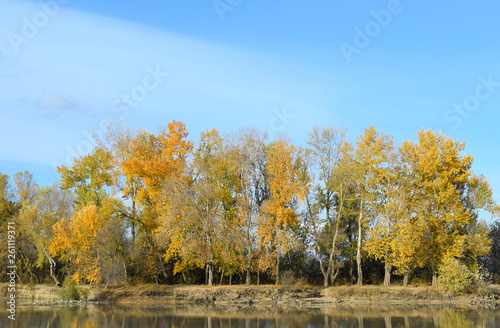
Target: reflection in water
{"type": "Point", "coordinates": [252, 317]}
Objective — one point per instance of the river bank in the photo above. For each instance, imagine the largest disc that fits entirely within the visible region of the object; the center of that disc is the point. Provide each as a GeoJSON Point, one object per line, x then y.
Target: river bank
{"type": "Point", "coordinates": [267, 296]}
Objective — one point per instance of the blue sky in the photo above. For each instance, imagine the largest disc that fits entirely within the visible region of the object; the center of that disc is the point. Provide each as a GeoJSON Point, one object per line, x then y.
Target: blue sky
{"type": "Point", "coordinates": [68, 66]}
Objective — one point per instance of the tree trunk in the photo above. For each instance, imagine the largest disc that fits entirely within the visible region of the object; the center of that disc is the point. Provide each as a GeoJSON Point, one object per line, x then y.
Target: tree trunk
{"type": "Point", "coordinates": [124, 269]}
{"type": "Point", "coordinates": [331, 270]}
{"type": "Point", "coordinates": [132, 225]}
{"type": "Point", "coordinates": [277, 268]}
{"type": "Point", "coordinates": [434, 278]}
{"type": "Point", "coordinates": [322, 268]}
{"type": "Point", "coordinates": [331, 267]}
{"type": "Point", "coordinates": [435, 320]}
{"type": "Point", "coordinates": [210, 273]}
{"type": "Point", "coordinates": [324, 272]}
{"type": "Point", "coordinates": [387, 276]}
{"type": "Point", "coordinates": [248, 278]}
{"type": "Point", "coordinates": [388, 321]}
{"type": "Point", "coordinates": [405, 278]}
{"type": "Point", "coordinates": [351, 271]}
{"type": "Point", "coordinates": [334, 274]}
{"type": "Point", "coordinates": [258, 275]}
{"type": "Point", "coordinates": [221, 277]}
{"type": "Point", "coordinates": [52, 266]}
{"type": "Point", "coordinates": [361, 322]}
{"type": "Point", "coordinates": [358, 252]}
{"type": "Point", "coordinates": [249, 250]}
{"type": "Point", "coordinates": [230, 279]}
{"type": "Point", "coordinates": [358, 262]}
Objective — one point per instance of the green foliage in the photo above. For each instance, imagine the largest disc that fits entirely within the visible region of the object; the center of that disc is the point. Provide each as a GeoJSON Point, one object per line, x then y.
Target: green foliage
{"type": "Point", "coordinates": [69, 291]}
{"type": "Point", "coordinates": [454, 275]}
{"type": "Point", "coordinates": [84, 293]}
{"type": "Point", "coordinates": [492, 261]}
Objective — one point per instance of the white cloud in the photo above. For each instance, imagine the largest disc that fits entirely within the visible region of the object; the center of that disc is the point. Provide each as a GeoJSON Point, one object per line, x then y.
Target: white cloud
{"type": "Point", "coordinates": [81, 63]}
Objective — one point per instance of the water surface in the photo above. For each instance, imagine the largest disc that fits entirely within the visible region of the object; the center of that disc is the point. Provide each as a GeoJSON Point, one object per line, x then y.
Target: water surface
{"type": "Point", "coordinates": [252, 317]}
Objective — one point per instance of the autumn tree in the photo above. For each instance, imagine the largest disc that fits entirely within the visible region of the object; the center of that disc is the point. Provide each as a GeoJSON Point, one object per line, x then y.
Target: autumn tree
{"type": "Point", "coordinates": [477, 197]}
{"type": "Point", "coordinates": [199, 214]}
{"type": "Point", "coordinates": [37, 218]}
{"type": "Point", "coordinates": [90, 240]}
{"type": "Point", "coordinates": [371, 154]}
{"type": "Point", "coordinates": [7, 202]}
{"type": "Point", "coordinates": [116, 140]}
{"type": "Point", "coordinates": [279, 217]}
{"type": "Point", "coordinates": [26, 187]}
{"type": "Point", "coordinates": [153, 161]}
{"type": "Point", "coordinates": [8, 211]}
{"type": "Point", "coordinates": [247, 150]}
{"type": "Point", "coordinates": [387, 212]}
{"type": "Point", "coordinates": [439, 172]}
{"type": "Point", "coordinates": [331, 158]}
{"type": "Point", "coordinates": [492, 260]}
{"type": "Point", "coordinates": [25, 190]}
{"type": "Point", "coordinates": [146, 204]}
{"type": "Point", "coordinates": [407, 239]}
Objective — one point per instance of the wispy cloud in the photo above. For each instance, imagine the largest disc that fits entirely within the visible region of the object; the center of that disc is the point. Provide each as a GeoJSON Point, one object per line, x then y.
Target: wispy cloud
{"type": "Point", "coordinates": [55, 102]}
{"type": "Point", "coordinates": [81, 63]}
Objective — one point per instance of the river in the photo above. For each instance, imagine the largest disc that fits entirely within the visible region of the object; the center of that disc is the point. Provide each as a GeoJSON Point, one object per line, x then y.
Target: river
{"type": "Point", "coordinates": [251, 317]}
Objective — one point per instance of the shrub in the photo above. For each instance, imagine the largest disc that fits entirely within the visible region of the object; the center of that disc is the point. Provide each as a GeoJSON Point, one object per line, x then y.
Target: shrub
{"type": "Point", "coordinates": [70, 292]}
{"type": "Point", "coordinates": [454, 275]}
{"type": "Point", "coordinates": [481, 276]}
{"type": "Point", "coordinates": [84, 293]}
{"type": "Point", "coordinates": [288, 278]}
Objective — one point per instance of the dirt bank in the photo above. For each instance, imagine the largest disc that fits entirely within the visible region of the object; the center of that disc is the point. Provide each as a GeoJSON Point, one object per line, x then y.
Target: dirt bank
{"type": "Point", "coordinates": [270, 296]}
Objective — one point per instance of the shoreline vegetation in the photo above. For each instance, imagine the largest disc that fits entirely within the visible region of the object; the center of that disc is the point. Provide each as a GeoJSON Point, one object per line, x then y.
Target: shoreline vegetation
{"type": "Point", "coordinates": [291, 296]}
{"type": "Point", "coordinates": [238, 208]}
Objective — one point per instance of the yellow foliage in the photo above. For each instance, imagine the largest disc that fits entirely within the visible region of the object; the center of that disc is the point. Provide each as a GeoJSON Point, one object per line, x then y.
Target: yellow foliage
{"type": "Point", "coordinates": [77, 240]}
{"type": "Point", "coordinates": [279, 212]}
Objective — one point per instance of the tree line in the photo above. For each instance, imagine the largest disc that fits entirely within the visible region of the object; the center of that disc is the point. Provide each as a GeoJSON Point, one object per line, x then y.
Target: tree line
{"type": "Point", "coordinates": [237, 208]}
